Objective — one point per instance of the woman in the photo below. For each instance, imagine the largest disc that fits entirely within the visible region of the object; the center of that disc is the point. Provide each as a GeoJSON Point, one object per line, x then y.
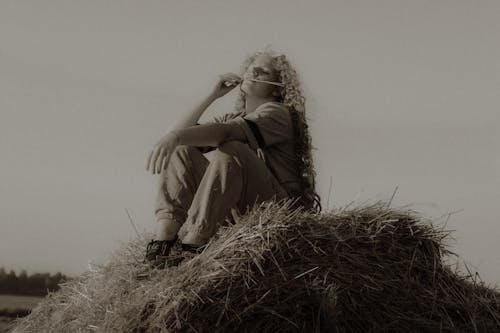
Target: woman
{"type": "Point", "coordinates": [263, 153]}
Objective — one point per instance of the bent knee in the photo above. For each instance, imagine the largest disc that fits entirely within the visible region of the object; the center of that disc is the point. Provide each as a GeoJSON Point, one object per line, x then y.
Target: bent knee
{"type": "Point", "coordinates": [181, 158]}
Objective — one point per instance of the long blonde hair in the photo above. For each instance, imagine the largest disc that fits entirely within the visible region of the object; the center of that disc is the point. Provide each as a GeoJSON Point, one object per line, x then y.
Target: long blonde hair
{"type": "Point", "coordinates": [291, 96]}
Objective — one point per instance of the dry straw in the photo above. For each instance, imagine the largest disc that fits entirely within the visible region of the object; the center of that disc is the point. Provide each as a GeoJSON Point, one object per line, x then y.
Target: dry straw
{"type": "Point", "coordinates": [366, 269]}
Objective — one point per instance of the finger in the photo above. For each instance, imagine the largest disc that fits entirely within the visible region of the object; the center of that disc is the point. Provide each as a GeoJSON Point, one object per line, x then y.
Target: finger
{"type": "Point", "coordinates": [167, 160]}
{"type": "Point", "coordinates": [231, 77]}
{"type": "Point", "coordinates": [164, 164]}
{"type": "Point", "coordinates": [231, 83]}
{"type": "Point", "coordinates": [159, 161]}
{"type": "Point", "coordinates": [156, 152]}
{"type": "Point", "coordinates": [236, 77]}
{"type": "Point", "coordinates": [228, 84]}
{"type": "Point", "coordinates": [148, 163]}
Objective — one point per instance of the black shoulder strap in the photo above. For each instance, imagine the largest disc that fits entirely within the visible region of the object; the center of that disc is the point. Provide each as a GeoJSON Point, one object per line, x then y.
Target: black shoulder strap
{"type": "Point", "coordinates": [256, 132]}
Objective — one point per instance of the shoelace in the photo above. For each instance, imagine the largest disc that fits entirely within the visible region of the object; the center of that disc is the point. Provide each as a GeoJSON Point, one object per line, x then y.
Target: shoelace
{"type": "Point", "coordinates": [193, 248]}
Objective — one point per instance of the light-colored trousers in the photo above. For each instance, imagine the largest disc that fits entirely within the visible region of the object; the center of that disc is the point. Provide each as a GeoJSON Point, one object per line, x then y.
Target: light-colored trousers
{"type": "Point", "coordinates": [199, 194]}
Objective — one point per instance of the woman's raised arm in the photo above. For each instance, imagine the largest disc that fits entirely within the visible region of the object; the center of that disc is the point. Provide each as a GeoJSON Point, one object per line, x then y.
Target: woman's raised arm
{"type": "Point", "coordinates": [225, 83]}
{"type": "Point", "coordinates": [185, 132]}
{"type": "Point", "coordinates": [191, 118]}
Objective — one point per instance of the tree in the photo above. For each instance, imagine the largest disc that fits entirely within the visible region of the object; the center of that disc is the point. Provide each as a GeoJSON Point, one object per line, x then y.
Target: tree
{"type": "Point", "coordinates": [23, 282]}
{"type": "Point", "coordinates": [11, 282]}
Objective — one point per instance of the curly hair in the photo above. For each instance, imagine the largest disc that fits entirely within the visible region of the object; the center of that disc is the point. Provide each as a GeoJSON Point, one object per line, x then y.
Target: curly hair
{"type": "Point", "coordinates": [291, 96]}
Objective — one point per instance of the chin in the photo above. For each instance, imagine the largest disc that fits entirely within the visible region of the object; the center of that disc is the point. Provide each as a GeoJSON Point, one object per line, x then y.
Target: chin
{"type": "Point", "coordinates": [244, 86]}
{"type": "Point", "coordinates": [249, 91]}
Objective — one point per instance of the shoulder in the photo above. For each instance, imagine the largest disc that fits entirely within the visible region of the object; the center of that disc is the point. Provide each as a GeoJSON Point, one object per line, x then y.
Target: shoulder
{"type": "Point", "coordinates": [273, 110]}
{"type": "Point", "coordinates": [269, 106]}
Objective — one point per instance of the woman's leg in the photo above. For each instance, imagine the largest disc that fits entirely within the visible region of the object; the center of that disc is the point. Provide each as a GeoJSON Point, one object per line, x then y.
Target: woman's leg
{"type": "Point", "coordinates": [235, 178]}
{"type": "Point", "coordinates": [177, 186]}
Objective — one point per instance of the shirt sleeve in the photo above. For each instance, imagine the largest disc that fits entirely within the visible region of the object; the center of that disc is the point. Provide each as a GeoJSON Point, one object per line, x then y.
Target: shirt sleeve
{"type": "Point", "coordinates": [218, 120]}
{"type": "Point", "coordinates": [268, 125]}
{"type": "Point", "coordinates": [225, 118]}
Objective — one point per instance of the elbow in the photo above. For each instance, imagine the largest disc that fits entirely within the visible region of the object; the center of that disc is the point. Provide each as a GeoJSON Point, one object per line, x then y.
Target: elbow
{"type": "Point", "coordinates": [230, 133]}
{"type": "Point", "coordinates": [225, 136]}
{"type": "Point", "coordinates": [218, 136]}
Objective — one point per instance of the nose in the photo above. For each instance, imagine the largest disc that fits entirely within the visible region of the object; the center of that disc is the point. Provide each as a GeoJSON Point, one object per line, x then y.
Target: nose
{"type": "Point", "coordinates": [253, 73]}
{"type": "Point", "coordinates": [249, 76]}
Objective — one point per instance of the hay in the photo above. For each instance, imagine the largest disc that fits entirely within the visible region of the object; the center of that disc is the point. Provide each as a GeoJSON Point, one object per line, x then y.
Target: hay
{"type": "Point", "coordinates": [366, 269]}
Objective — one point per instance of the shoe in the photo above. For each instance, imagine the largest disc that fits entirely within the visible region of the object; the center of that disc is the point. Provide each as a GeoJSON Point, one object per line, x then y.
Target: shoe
{"type": "Point", "coordinates": [157, 251]}
{"type": "Point", "coordinates": [157, 256]}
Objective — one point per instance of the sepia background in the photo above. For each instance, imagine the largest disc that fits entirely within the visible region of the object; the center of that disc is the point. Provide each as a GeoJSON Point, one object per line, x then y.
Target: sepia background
{"type": "Point", "coordinates": [402, 96]}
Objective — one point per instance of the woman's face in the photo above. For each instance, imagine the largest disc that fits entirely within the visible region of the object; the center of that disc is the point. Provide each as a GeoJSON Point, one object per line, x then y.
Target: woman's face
{"type": "Point", "coordinates": [262, 69]}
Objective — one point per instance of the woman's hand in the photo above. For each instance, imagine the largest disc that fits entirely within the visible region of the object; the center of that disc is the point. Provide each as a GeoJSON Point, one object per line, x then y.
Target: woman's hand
{"type": "Point", "coordinates": [160, 155]}
{"type": "Point", "coordinates": [225, 83]}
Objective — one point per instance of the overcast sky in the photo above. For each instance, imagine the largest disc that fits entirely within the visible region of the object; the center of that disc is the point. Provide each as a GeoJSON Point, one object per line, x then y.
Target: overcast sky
{"type": "Point", "coordinates": [399, 94]}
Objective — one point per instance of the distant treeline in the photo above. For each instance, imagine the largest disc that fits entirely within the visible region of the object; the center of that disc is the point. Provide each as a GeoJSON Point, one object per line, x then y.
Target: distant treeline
{"type": "Point", "coordinates": [37, 284]}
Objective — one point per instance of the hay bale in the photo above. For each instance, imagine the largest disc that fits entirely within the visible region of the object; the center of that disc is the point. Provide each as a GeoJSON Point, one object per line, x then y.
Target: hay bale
{"type": "Point", "coordinates": [367, 269]}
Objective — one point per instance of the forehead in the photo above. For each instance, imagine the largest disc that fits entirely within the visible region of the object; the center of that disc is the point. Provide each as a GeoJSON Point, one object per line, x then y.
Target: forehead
{"type": "Point", "coordinates": [263, 61]}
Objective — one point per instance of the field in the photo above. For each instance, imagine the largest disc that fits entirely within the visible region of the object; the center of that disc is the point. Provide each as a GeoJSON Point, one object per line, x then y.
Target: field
{"type": "Point", "coordinates": [18, 302]}
{"type": "Point", "coordinates": [13, 302]}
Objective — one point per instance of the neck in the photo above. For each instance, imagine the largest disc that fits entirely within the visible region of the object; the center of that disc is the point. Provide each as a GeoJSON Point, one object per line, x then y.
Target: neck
{"type": "Point", "coordinates": [253, 102]}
